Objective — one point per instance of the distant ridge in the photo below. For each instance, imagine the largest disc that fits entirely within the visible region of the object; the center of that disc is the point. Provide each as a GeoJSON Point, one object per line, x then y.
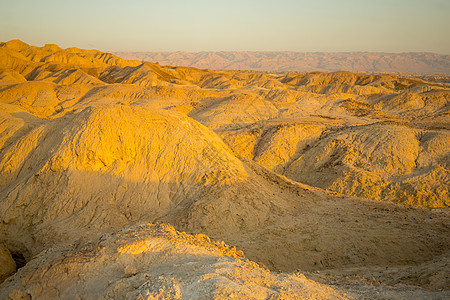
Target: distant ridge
{"type": "Point", "coordinates": [411, 62]}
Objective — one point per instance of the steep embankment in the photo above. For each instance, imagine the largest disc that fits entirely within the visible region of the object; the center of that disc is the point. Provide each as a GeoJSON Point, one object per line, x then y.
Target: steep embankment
{"type": "Point", "coordinates": [103, 167]}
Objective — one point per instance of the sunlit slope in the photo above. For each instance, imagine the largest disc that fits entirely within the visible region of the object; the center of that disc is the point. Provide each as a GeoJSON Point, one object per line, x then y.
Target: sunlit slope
{"type": "Point", "coordinates": [385, 161]}
{"type": "Point", "coordinates": [104, 167]}
{"type": "Point", "coordinates": [30, 55]}
{"type": "Point", "coordinates": [382, 161]}
{"type": "Point", "coordinates": [156, 262]}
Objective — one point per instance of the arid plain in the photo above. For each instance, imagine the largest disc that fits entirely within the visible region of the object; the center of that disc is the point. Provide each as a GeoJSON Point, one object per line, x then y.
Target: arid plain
{"type": "Point", "coordinates": [129, 179]}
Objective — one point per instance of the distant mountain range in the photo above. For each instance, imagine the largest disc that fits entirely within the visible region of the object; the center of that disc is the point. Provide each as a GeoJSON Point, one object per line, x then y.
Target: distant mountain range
{"type": "Point", "coordinates": [412, 62]}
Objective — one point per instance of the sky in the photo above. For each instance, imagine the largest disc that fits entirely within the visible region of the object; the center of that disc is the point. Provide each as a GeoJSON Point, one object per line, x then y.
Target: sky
{"type": "Point", "coordinates": [231, 25]}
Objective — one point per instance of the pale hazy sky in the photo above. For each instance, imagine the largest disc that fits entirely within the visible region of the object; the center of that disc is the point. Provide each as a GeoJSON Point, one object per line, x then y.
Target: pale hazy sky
{"type": "Point", "coordinates": [209, 25]}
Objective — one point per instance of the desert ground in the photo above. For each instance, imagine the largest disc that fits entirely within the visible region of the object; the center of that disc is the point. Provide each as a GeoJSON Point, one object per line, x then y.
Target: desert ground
{"type": "Point", "coordinates": [129, 179]}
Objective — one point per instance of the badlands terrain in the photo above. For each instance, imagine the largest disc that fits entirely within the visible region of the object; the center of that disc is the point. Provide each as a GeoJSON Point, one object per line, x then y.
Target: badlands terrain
{"type": "Point", "coordinates": [129, 179]}
{"type": "Point", "coordinates": [411, 62]}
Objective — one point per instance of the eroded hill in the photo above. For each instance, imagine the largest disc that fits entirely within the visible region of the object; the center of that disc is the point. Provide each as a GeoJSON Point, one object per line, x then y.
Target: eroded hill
{"type": "Point", "coordinates": [91, 144]}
